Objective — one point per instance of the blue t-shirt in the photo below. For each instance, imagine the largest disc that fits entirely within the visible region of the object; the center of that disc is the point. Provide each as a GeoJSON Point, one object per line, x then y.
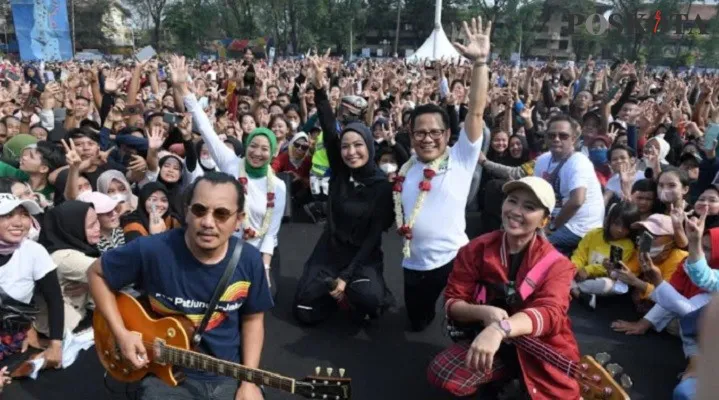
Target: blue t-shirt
{"type": "Point", "coordinates": [177, 283]}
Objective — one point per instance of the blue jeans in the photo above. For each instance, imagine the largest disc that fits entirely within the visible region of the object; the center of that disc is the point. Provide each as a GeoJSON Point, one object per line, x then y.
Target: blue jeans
{"type": "Point", "coordinates": [151, 388]}
{"type": "Point", "coordinates": [564, 240]}
{"type": "Point", "coordinates": [685, 390]}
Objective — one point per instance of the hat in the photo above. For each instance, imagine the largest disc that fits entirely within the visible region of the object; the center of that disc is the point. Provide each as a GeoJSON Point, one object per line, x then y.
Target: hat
{"type": "Point", "coordinates": [541, 189]}
{"type": "Point", "coordinates": [355, 104]}
{"type": "Point", "coordinates": [605, 139]}
{"type": "Point", "coordinates": [690, 155]}
{"type": "Point", "coordinates": [12, 150]}
{"type": "Point", "coordinates": [101, 202]}
{"type": "Point", "coordinates": [657, 225]}
{"type": "Point", "coordinates": [9, 202]}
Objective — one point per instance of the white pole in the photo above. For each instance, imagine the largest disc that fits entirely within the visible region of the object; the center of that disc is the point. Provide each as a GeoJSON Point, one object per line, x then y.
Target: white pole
{"type": "Point", "coordinates": [437, 26]}
{"type": "Point", "coordinates": [73, 28]}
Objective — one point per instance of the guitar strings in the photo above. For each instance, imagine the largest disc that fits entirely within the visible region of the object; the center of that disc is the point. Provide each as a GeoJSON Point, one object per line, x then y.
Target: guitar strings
{"type": "Point", "coordinates": [558, 360]}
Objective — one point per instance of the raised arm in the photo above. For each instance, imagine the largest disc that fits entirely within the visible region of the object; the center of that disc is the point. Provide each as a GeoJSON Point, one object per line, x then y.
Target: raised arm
{"type": "Point", "coordinates": [477, 50]}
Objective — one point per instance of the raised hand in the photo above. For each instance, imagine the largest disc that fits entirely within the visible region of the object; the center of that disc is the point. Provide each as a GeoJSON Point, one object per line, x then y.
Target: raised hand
{"type": "Point", "coordinates": [694, 229]}
{"type": "Point", "coordinates": [155, 138]}
{"type": "Point", "coordinates": [115, 114]}
{"type": "Point", "coordinates": [185, 126]}
{"type": "Point", "coordinates": [178, 70]}
{"type": "Point", "coordinates": [113, 81]}
{"type": "Point", "coordinates": [477, 48]}
{"type": "Point", "coordinates": [71, 155]}
{"type": "Point", "coordinates": [103, 155]}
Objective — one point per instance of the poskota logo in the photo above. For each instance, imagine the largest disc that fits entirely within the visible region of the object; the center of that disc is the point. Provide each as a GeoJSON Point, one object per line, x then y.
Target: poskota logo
{"type": "Point", "coordinates": [642, 22]}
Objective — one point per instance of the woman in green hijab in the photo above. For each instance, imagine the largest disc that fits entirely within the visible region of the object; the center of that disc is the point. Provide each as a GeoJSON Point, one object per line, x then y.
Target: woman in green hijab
{"type": "Point", "coordinates": [265, 193]}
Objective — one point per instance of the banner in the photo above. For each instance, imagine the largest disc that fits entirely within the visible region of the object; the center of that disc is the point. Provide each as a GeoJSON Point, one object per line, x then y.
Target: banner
{"type": "Point", "coordinates": [42, 30]}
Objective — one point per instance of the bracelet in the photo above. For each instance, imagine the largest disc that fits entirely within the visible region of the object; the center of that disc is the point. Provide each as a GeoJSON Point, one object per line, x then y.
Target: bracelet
{"type": "Point", "coordinates": [498, 328]}
{"type": "Point", "coordinates": [480, 63]}
{"type": "Point", "coordinates": [267, 267]}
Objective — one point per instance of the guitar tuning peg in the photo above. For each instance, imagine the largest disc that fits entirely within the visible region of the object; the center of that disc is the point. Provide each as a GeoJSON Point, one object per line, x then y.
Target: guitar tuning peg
{"type": "Point", "coordinates": [318, 370]}
{"type": "Point", "coordinates": [329, 371]}
{"type": "Point", "coordinates": [614, 369]}
{"type": "Point", "coordinates": [603, 358]}
{"type": "Point", "coordinates": [626, 381]}
{"type": "Point", "coordinates": [342, 372]}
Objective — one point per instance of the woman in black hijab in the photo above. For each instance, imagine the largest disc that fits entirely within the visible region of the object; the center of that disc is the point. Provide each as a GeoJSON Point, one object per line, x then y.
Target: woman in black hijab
{"type": "Point", "coordinates": [171, 175]}
{"type": "Point", "coordinates": [70, 234]}
{"type": "Point", "coordinates": [346, 267]}
{"type": "Point", "coordinates": [153, 214]}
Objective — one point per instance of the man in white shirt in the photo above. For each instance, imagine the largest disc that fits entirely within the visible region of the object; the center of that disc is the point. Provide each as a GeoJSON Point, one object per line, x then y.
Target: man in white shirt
{"type": "Point", "coordinates": [431, 192]}
{"type": "Point", "coordinates": [580, 205]}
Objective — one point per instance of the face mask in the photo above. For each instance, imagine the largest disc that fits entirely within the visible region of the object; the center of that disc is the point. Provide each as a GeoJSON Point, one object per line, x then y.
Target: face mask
{"type": "Point", "coordinates": [388, 168]}
{"type": "Point", "coordinates": [119, 197]}
{"type": "Point", "coordinates": [207, 163]}
{"type": "Point", "coordinates": [667, 196]}
{"type": "Point", "coordinates": [294, 125]}
{"type": "Point", "coordinates": [83, 193]}
{"type": "Point", "coordinates": [656, 250]}
{"type": "Point", "coordinates": [598, 156]}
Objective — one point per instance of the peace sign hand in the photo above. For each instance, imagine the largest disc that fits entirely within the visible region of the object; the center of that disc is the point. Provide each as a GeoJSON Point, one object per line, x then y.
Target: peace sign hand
{"type": "Point", "coordinates": [71, 156]}
{"type": "Point", "coordinates": [677, 215]}
{"type": "Point", "coordinates": [477, 48]}
{"type": "Point", "coordinates": [103, 156]}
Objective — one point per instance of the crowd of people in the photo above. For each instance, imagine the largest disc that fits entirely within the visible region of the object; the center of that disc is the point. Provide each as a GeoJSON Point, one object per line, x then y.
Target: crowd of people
{"type": "Point", "coordinates": [144, 176]}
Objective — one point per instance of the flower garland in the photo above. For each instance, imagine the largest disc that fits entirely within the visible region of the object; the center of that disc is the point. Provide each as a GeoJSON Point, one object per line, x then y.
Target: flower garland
{"type": "Point", "coordinates": [248, 231]}
{"type": "Point", "coordinates": [404, 227]}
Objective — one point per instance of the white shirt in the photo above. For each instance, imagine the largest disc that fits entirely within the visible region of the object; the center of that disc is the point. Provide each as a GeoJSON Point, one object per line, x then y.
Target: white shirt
{"type": "Point", "coordinates": [28, 264]}
{"type": "Point", "coordinates": [577, 172]}
{"type": "Point", "coordinates": [615, 183]}
{"type": "Point", "coordinates": [228, 162]}
{"type": "Point", "coordinates": [439, 230]}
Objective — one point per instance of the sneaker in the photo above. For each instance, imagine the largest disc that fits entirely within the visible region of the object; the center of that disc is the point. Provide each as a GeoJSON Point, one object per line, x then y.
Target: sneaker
{"type": "Point", "coordinates": [588, 300]}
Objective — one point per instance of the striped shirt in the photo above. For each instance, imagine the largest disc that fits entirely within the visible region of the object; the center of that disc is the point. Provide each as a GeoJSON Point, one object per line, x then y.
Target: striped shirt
{"type": "Point", "coordinates": [117, 239]}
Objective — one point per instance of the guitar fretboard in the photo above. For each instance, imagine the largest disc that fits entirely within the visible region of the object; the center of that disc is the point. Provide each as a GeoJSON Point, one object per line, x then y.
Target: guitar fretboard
{"type": "Point", "coordinates": [545, 353]}
{"type": "Point", "coordinates": [203, 362]}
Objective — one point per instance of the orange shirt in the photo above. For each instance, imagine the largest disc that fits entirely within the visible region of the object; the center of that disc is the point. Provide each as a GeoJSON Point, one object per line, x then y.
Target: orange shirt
{"type": "Point", "coordinates": [668, 266]}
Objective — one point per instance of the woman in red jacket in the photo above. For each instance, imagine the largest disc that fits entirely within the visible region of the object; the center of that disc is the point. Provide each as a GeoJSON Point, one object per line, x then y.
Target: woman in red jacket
{"type": "Point", "coordinates": [296, 161]}
{"type": "Point", "coordinates": [510, 284]}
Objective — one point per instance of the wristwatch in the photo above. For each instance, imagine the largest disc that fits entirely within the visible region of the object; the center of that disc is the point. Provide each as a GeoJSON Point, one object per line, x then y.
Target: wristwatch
{"type": "Point", "coordinates": [505, 327]}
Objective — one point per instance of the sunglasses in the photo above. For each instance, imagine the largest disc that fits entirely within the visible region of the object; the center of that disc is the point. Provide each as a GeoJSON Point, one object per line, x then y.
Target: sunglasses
{"type": "Point", "coordinates": [219, 214]}
{"type": "Point", "coordinates": [561, 135]}
{"type": "Point", "coordinates": [301, 146]}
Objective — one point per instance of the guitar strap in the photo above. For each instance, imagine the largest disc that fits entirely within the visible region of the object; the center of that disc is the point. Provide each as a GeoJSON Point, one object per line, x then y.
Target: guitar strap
{"type": "Point", "coordinates": [221, 286]}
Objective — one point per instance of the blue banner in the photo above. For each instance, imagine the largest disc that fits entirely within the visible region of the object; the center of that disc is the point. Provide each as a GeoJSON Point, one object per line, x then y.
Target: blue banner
{"type": "Point", "coordinates": [42, 30]}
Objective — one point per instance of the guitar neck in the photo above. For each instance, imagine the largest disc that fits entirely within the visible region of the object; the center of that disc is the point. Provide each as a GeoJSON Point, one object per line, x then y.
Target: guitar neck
{"type": "Point", "coordinates": [545, 353]}
{"type": "Point", "coordinates": [203, 362]}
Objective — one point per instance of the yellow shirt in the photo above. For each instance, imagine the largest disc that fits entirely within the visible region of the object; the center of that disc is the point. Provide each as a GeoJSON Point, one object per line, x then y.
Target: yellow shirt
{"type": "Point", "coordinates": [593, 250]}
{"type": "Point", "coordinates": [668, 266]}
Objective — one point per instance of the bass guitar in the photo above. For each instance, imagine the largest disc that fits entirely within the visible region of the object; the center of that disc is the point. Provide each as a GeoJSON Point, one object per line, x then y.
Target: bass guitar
{"type": "Point", "coordinates": [169, 339]}
{"type": "Point", "coordinates": [596, 377]}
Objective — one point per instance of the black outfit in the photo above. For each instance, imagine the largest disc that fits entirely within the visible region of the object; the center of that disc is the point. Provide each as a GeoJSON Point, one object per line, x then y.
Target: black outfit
{"type": "Point", "coordinates": [174, 189]}
{"type": "Point", "coordinates": [140, 215]}
{"type": "Point", "coordinates": [457, 114]}
{"type": "Point", "coordinates": [64, 228]}
{"type": "Point", "coordinates": [421, 291]}
{"type": "Point", "coordinates": [350, 248]}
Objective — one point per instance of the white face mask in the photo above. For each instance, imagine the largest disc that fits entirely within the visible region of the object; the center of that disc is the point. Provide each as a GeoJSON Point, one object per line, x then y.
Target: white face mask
{"type": "Point", "coordinates": [83, 193]}
{"type": "Point", "coordinates": [119, 197]}
{"type": "Point", "coordinates": [208, 163]}
{"type": "Point", "coordinates": [656, 250]}
{"type": "Point", "coordinates": [667, 196]}
{"type": "Point", "coordinates": [294, 125]}
{"type": "Point", "coordinates": [388, 168]}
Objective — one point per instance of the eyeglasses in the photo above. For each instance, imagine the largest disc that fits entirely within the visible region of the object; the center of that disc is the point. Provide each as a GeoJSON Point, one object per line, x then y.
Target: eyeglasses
{"type": "Point", "coordinates": [301, 146]}
{"type": "Point", "coordinates": [219, 214]}
{"type": "Point", "coordinates": [561, 135]}
{"type": "Point", "coordinates": [434, 134]}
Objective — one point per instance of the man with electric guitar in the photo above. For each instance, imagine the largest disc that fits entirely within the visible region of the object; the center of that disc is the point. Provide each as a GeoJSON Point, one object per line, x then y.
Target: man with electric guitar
{"type": "Point", "coordinates": [185, 273]}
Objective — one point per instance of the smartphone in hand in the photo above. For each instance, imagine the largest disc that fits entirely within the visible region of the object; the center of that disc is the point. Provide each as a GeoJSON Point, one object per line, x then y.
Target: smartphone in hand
{"type": "Point", "coordinates": [645, 242]}
{"type": "Point", "coordinates": [616, 254]}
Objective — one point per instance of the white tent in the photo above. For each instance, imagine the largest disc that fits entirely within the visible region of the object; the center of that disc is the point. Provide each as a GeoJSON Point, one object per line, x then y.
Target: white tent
{"type": "Point", "coordinates": [437, 46]}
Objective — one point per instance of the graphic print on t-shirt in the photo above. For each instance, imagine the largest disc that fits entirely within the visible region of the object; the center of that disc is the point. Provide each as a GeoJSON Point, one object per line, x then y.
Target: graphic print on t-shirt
{"type": "Point", "coordinates": [231, 300]}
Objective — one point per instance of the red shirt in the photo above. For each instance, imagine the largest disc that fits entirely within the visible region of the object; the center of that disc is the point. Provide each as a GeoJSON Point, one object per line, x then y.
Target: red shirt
{"type": "Point", "coordinates": [282, 163]}
{"type": "Point", "coordinates": [547, 306]}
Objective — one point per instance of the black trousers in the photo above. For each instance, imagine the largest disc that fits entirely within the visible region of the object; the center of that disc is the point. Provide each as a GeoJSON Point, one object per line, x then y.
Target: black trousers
{"type": "Point", "coordinates": [366, 290]}
{"type": "Point", "coordinates": [421, 290]}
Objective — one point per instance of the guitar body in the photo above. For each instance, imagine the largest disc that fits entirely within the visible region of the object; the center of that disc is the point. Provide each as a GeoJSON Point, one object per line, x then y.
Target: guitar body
{"type": "Point", "coordinates": [173, 331]}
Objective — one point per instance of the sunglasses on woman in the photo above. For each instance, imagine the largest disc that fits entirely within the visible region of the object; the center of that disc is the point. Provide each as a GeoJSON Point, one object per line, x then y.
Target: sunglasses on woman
{"type": "Point", "coordinates": [301, 146]}
{"type": "Point", "coordinates": [220, 214]}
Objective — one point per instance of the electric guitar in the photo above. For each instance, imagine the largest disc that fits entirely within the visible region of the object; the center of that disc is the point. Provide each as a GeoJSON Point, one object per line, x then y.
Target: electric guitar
{"type": "Point", "coordinates": [169, 339]}
{"type": "Point", "coordinates": [595, 376]}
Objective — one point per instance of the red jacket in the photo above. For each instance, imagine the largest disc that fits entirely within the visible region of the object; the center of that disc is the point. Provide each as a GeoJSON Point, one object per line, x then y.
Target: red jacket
{"type": "Point", "coordinates": [680, 280]}
{"type": "Point", "coordinates": [282, 163]}
{"type": "Point", "coordinates": [482, 261]}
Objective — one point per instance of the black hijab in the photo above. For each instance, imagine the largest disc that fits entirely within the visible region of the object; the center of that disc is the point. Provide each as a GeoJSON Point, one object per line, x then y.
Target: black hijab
{"type": "Point", "coordinates": [140, 214]}
{"type": "Point", "coordinates": [369, 173]}
{"type": "Point", "coordinates": [64, 228]}
{"type": "Point", "coordinates": [516, 162]}
{"type": "Point", "coordinates": [174, 189]}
